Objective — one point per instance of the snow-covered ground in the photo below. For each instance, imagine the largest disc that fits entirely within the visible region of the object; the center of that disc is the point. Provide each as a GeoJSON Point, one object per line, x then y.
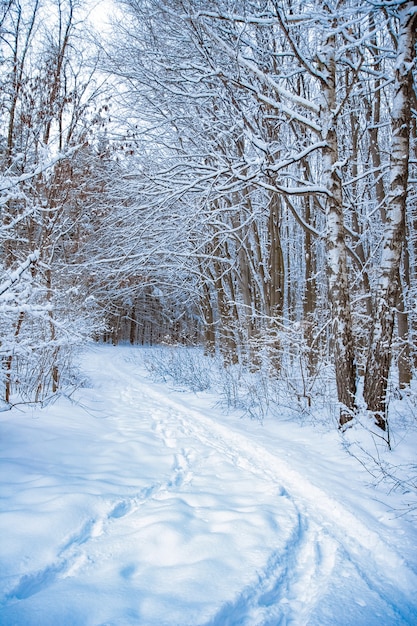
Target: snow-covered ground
{"type": "Point", "coordinates": [140, 505]}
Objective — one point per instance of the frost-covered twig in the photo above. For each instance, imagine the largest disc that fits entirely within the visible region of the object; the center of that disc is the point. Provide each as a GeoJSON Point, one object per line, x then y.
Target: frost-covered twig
{"type": "Point", "coordinates": [32, 258]}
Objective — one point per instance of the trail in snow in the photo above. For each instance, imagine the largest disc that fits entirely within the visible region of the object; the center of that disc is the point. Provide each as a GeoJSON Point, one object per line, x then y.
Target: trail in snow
{"type": "Point", "coordinates": [167, 515]}
{"type": "Point", "coordinates": [381, 567]}
{"type": "Point", "coordinates": [324, 527]}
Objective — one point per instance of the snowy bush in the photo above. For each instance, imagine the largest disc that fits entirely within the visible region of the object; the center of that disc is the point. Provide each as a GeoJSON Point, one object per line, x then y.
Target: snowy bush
{"type": "Point", "coordinates": [256, 394]}
{"type": "Point", "coordinates": [184, 367]}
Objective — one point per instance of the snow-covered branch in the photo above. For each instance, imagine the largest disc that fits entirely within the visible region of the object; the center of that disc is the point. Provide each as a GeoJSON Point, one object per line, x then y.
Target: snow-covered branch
{"type": "Point", "coordinates": [15, 276]}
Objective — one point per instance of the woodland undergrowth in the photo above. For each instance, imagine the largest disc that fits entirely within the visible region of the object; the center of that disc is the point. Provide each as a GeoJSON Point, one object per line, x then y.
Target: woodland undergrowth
{"type": "Point", "coordinates": [294, 394]}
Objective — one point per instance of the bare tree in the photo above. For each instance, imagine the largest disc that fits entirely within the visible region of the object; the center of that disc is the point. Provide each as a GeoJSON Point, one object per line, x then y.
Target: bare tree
{"type": "Point", "coordinates": [48, 124]}
{"type": "Point", "coordinates": [261, 143]}
{"type": "Point", "coordinates": [388, 285]}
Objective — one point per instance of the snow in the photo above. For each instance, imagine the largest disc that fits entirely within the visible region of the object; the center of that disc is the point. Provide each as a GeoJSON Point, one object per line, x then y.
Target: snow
{"type": "Point", "coordinates": [138, 504]}
{"type": "Point", "coordinates": [15, 276]}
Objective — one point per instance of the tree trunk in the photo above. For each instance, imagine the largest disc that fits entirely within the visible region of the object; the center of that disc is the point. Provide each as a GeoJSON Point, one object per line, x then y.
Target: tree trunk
{"type": "Point", "coordinates": [337, 275]}
{"type": "Point", "coordinates": [404, 357]}
{"type": "Point", "coordinates": [310, 291]}
{"type": "Point", "coordinates": [379, 359]}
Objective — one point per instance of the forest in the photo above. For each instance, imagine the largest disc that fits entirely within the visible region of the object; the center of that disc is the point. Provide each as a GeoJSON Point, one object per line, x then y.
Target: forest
{"type": "Point", "coordinates": [238, 176]}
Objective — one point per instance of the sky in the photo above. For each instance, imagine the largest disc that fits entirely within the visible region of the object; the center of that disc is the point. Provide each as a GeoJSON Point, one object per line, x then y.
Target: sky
{"type": "Point", "coordinates": [101, 13]}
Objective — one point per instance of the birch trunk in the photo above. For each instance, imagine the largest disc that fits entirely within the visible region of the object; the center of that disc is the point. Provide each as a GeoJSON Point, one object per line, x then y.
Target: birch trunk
{"type": "Point", "coordinates": [337, 275]}
{"type": "Point", "coordinates": [379, 359]}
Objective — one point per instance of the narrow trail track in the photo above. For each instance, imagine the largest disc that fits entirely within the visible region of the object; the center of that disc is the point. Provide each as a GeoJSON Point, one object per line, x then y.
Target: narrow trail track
{"type": "Point", "coordinates": [326, 536]}
{"type": "Point", "coordinates": [315, 548]}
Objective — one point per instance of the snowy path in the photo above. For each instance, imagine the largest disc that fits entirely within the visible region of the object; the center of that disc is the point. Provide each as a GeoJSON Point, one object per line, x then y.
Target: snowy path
{"type": "Point", "coordinates": [152, 509]}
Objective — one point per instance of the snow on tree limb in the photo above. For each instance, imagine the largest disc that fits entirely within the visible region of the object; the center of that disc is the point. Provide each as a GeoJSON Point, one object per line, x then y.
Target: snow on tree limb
{"type": "Point", "coordinates": [15, 276]}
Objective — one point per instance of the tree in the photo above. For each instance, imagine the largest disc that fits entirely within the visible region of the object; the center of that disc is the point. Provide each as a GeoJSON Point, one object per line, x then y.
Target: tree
{"type": "Point", "coordinates": [264, 129]}
{"type": "Point", "coordinates": [48, 120]}
{"type": "Point", "coordinates": [388, 285]}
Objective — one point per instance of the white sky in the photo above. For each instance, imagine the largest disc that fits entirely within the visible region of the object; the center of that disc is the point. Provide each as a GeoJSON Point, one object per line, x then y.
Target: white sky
{"type": "Point", "coordinates": [101, 13]}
